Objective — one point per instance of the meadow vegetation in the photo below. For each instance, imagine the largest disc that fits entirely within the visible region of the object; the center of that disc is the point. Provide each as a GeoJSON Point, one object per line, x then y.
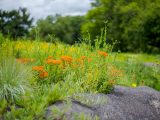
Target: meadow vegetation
{"type": "Point", "coordinates": [36, 74]}
{"type": "Point", "coordinates": [38, 68]}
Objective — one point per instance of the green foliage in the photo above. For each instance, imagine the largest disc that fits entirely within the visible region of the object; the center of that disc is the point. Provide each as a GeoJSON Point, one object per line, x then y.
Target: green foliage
{"type": "Point", "coordinates": [13, 79]}
{"type": "Point", "coordinates": [66, 29]}
{"type": "Point", "coordinates": [138, 73]}
{"type": "Point", "coordinates": [15, 23]}
{"type": "Point", "coordinates": [3, 107]}
{"type": "Point", "coordinates": [1, 39]}
{"type": "Point", "coordinates": [90, 99]}
{"type": "Point", "coordinates": [135, 24]}
{"type": "Point", "coordinates": [56, 93]}
{"type": "Point", "coordinates": [89, 72]}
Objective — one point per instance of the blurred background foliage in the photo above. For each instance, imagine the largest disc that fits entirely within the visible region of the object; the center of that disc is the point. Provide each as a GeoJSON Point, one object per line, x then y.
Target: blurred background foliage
{"type": "Point", "coordinates": [15, 23]}
{"type": "Point", "coordinates": [134, 23]}
{"type": "Point", "coordinates": [66, 29]}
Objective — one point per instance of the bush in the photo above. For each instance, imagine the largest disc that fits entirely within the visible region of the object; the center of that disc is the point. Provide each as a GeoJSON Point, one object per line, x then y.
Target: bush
{"type": "Point", "coordinates": [13, 79]}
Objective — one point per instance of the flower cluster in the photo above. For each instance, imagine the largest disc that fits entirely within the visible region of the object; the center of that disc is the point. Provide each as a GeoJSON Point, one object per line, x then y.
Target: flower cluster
{"type": "Point", "coordinates": [103, 54]}
{"type": "Point", "coordinates": [63, 62]}
{"type": "Point", "coordinates": [41, 71]}
{"type": "Point", "coordinates": [66, 59]}
{"type": "Point", "coordinates": [43, 74]}
{"type": "Point", "coordinates": [54, 62]}
{"type": "Point", "coordinates": [38, 68]}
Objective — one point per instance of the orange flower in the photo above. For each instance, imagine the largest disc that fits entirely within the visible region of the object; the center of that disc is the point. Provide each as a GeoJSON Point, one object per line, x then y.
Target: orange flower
{"type": "Point", "coordinates": [49, 57]}
{"type": "Point", "coordinates": [83, 57]}
{"type": "Point", "coordinates": [38, 68]}
{"type": "Point", "coordinates": [54, 62]}
{"type": "Point", "coordinates": [57, 62]}
{"type": "Point", "coordinates": [43, 74]}
{"type": "Point", "coordinates": [89, 60]}
{"type": "Point", "coordinates": [24, 60]}
{"type": "Point", "coordinates": [104, 54]}
{"type": "Point", "coordinates": [66, 59]}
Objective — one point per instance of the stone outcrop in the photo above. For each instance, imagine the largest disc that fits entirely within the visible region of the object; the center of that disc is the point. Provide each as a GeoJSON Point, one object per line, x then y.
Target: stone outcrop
{"type": "Point", "coordinates": [124, 103]}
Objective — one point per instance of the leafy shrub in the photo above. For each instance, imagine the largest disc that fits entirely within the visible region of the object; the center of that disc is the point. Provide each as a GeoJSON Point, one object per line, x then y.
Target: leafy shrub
{"type": "Point", "coordinates": [13, 79]}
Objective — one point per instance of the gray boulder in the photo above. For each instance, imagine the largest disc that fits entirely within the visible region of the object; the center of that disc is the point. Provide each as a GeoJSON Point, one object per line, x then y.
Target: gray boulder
{"type": "Point", "coordinates": [150, 64]}
{"type": "Point", "coordinates": [124, 103]}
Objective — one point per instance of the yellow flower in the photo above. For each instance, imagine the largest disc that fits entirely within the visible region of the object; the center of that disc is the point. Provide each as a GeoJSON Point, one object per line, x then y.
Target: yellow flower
{"type": "Point", "coordinates": [19, 46]}
{"type": "Point", "coordinates": [44, 46]}
{"type": "Point", "coordinates": [134, 85]}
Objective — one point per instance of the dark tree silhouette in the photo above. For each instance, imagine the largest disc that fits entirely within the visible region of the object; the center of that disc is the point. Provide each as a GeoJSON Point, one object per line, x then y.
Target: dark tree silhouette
{"type": "Point", "coordinates": [15, 23]}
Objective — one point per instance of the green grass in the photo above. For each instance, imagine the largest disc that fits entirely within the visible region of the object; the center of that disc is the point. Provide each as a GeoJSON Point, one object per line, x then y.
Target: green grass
{"type": "Point", "coordinates": [14, 79]}
{"type": "Point", "coordinates": [86, 71]}
{"type": "Point", "coordinates": [138, 57]}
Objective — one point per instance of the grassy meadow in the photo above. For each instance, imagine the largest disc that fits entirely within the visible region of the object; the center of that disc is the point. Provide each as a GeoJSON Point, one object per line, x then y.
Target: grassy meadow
{"type": "Point", "coordinates": [35, 74]}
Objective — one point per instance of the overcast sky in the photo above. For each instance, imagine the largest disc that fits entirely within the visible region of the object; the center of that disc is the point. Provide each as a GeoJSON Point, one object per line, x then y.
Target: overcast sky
{"type": "Point", "coordinates": [43, 8]}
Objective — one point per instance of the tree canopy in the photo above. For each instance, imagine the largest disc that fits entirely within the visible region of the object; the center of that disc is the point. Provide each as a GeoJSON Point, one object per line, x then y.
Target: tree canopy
{"type": "Point", "coordinates": [66, 29]}
{"type": "Point", "coordinates": [135, 23]}
{"type": "Point", "coordinates": [15, 23]}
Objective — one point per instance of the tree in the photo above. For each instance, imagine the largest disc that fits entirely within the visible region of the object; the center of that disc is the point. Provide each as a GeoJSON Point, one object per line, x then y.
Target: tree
{"type": "Point", "coordinates": [66, 29]}
{"type": "Point", "coordinates": [134, 23]}
{"type": "Point", "coordinates": [43, 28]}
{"type": "Point", "coordinates": [15, 23]}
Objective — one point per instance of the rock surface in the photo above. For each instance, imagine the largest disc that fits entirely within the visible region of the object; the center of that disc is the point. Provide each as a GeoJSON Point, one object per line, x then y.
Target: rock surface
{"type": "Point", "coordinates": [150, 64]}
{"type": "Point", "coordinates": [124, 103]}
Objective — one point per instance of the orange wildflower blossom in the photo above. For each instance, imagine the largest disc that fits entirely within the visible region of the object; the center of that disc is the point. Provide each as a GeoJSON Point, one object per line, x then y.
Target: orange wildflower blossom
{"type": "Point", "coordinates": [38, 68]}
{"type": "Point", "coordinates": [54, 62]}
{"type": "Point", "coordinates": [89, 60]}
{"type": "Point", "coordinates": [43, 74]}
{"type": "Point", "coordinates": [83, 57]}
{"type": "Point", "coordinates": [50, 57]}
{"type": "Point", "coordinates": [67, 59]}
{"type": "Point", "coordinates": [24, 60]}
{"type": "Point", "coordinates": [103, 54]}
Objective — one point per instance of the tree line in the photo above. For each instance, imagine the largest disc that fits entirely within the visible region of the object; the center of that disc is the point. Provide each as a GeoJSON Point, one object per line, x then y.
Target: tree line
{"type": "Point", "coordinates": [15, 23]}
{"type": "Point", "coordinates": [134, 23]}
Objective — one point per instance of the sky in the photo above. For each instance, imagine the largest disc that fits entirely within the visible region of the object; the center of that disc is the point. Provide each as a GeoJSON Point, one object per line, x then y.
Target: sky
{"type": "Point", "coordinates": [42, 8]}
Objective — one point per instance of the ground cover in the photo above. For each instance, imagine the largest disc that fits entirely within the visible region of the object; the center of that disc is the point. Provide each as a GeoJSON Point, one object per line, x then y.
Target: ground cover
{"type": "Point", "coordinates": [36, 74]}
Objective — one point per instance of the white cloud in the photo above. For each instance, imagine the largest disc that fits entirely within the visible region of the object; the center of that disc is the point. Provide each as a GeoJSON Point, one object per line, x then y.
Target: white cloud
{"type": "Point", "coordinates": [43, 8]}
